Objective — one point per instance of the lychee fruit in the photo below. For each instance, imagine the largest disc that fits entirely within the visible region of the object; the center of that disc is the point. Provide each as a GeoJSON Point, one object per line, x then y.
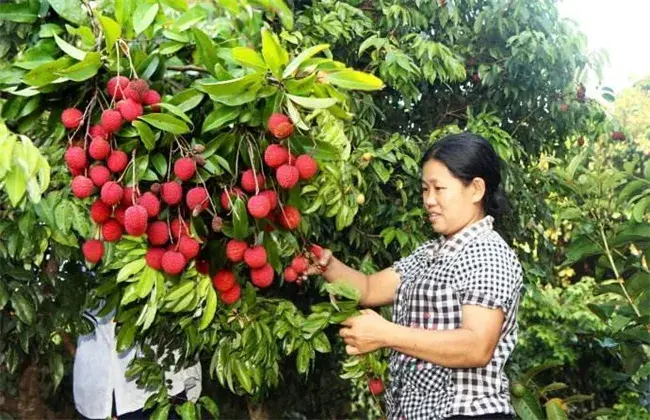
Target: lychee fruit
{"type": "Point", "coordinates": [97, 131]}
{"type": "Point", "coordinates": [263, 276]}
{"type": "Point", "coordinates": [317, 250]}
{"type": "Point", "coordinates": [376, 386]}
{"type": "Point", "coordinates": [272, 197]}
{"type": "Point", "coordinates": [287, 176]}
{"type": "Point", "coordinates": [99, 174]}
{"type": "Point", "coordinates": [112, 230]}
{"type": "Point", "coordinates": [100, 212]}
{"type": "Point", "coordinates": [150, 202]}
{"type": "Point", "coordinates": [154, 257]}
{"type": "Point", "coordinates": [74, 172]}
{"type": "Point", "coordinates": [299, 264]}
{"type": "Point", "coordinates": [259, 206]}
{"type": "Point", "coordinates": [71, 118]}
{"type": "Point", "coordinates": [275, 155]}
{"type": "Point", "coordinates": [307, 167]}
{"type": "Point", "coordinates": [564, 107]}
{"type": "Point", "coordinates": [82, 186]}
{"type": "Point", "coordinates": [157, 233]}
{"type": "Point", "coordinates": [75, 158]}
{"type": "Point", "coordinates": [178, 229]}
{"type": "Point", "coordinates": [618, 135]}
{"type": "Point", "coordinates": [184, 168]}
{"type": "Point", "coordinates": [235, 250]}
{"type": "Point", "coordinates": [135, 220]}
{"type": "Point", "coordinates": [111, 120]}
{"type": "Point", "coordinates": [118, 213]}
{"type": "Point", "coordinates": [111, 193]}
{"type": "Point", "coordinates": [129, 109]}
{"type": "Point", "coordinates": [290, 217]}
{"type": "Point", "coordinates": [117, 161]}
{"type": "Point", "coordinates": [255, 257]}
{"type": "Point", "coordinates": [197, 197]}
{"type": "Point", "coordinates": [155, 188]}
{"type": "Point", "coordinates": [99, 148]}
{"type": "Point", "coordinates": [217, 224]}
{"type": "Point", "coordinates": [127, 197]}
{"type": "Point", "coordinates": [173, 262]}
{"type": "Point", "coordinates": [290, 275]}
{"type": "Point", "coordinates": [227, 197]}
{"type": "Point", "coordinates": [280, 126]}
{"type": "Point", "coordinates": [136, 90]}
{"type": "Point", "coordinates": [248, 183]}
{"type": "Point", "coordinates": [116, 86]}
{"type": "Point", "coordinates": [203, 266]}
{"type": "Point", "coordinates": [189, 247]}
{"type": "Point", "coordinates": [171, 193]}
{"type": "Point", "coordinates": [152, 98]}
{"type": "Point", "coordinates": [223, 280]}
{"type": "Point", "coordinates": [232, 295]}
{"type": "Point", "coordinates": [93, 250]}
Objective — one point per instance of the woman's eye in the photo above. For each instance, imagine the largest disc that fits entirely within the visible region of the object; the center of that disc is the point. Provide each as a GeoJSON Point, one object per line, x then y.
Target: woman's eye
{"type": "Point", "coordinates": [440, 188]}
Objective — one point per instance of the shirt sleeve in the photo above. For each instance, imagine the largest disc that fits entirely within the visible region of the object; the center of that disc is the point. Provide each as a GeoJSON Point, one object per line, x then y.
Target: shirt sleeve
{"type": "Point", "coordinates": [489, 276]}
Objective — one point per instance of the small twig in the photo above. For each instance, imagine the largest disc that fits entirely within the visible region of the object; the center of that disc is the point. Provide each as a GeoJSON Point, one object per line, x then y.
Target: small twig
{"type": "Point", "coordinates": [189, 67]}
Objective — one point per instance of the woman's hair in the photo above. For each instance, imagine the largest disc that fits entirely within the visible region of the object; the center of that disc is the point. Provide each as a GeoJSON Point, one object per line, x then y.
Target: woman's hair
{"type": "Point", "coordinates": [469, 156]}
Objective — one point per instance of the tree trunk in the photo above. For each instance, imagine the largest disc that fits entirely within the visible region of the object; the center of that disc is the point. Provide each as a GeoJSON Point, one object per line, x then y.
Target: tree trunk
{"type": "Point", "coordinates": [257, 411]}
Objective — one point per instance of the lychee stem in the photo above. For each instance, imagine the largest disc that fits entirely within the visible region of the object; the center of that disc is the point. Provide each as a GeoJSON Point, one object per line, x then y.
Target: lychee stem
{"type": "Point", "coordinates": [250, 155]}
{"type": "Point", "coordinates": [214, 208]}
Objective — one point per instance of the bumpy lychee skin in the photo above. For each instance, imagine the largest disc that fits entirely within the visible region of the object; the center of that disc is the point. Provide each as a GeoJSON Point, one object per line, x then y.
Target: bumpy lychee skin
{"type": "Point", "coordinates": [197, 197]}
{"type": "Point", "coordinates": [75, 158]}
{"type": "Point", "coordinates": [154, 257]}
{"type": "Point", "coordinates": [287, 176]}
{"type": "Point", "coordinates": [74, 172]}
{"type": "Point", "coordinates": [184, 168]}
{"type": "Point", "coordinates": [255, 257]}
{"type": "Point", "coordinates": [259, 206]}
{"type": "Point", "coordinates": [112, 230]}
{"type": "Point", "coordinates": [119, 213]}
{"type": "Point", "coordinates": [232, 295]}
{"type": "Point", "coordinates": [299, 264]}
{"type": "Point", "coordinates": [111, 120]}
{"type": "Point", "coordinates": [129, 109]}
{"type": "Point", "coordinates": [111, 193]}
{"type": "Point", "coordinates": [280, 126]}
{"type": "Point", "coordinates": [376, 386]}
{"type": "Point", "coordinates": [276, 155]}
{"type": "Point", "coordinates": [189, 247]}
{"type": "Point", "coordinates": [117, 161]}
{"type": "Point", "coordinates": [272, 197]}
{"type": "Point", "coordinates": [178, 229]}
{"type": "Point", "coordinates": [223, 280]}
{"type": "Point", "coordinates": [128, 196]}
{"type": "Point", "coordinates": [135, 220]}
{"type": "Point", "coordinates": [82, 186]}
{"type": "Point", "coordinates": [173, 262]}
{"type": "Point", "coordinates": [290, 218]}
{"type": "Point", "coordinates": [290, 275]}
{"type": "Point", "coordinates": [248, 181]}
{"type": "Point", "coordinates": [97, 131]}
{"type": "Point", "coordinates": [71, 118]}
{"type": "Point", "coordinates": [233, 193]}
{"type": "Point", "coordinates": [235, 250]}
{"type": "Point", "coordinates": [140, 88]}
{"type": "Point", "coordinates": [157, 233]}
{"type": "Point", "coordinates": [307, 167]}
{"type": "Point", "coordinates": [93, 250]}
{"type": "Point", "coordinates": [116, 85]}
{"type": "Point", "coordinates": [150, 202]}
{"type": "Point", "coordinates": [152, 98]}
{"type": "Point", "coordinates": [171, 193]}
{"type": "Point", "coordinates": [262, 277]}
{"type": "Point", "coordinates": [99, 149]}
{"type": "Point", "coordinates": [100, 211]}
{"type": "Point", "coordinates": [99, 174]}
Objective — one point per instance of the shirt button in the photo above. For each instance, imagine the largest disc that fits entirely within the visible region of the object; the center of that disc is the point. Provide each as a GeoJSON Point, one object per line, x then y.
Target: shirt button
{"type": "Point", "coordinates": [420, 366]}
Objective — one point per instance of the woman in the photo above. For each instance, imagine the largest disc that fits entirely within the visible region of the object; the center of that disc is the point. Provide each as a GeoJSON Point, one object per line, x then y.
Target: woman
{"type": "Point", "coordinates": [454, 299]}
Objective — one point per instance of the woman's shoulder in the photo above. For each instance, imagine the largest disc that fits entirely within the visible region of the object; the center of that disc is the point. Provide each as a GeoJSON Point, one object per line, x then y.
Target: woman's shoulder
{"type": "Point", "coordinates": [490, 247]}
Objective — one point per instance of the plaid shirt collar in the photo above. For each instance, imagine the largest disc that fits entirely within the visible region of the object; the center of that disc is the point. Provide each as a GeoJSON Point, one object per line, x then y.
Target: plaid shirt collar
{"type": "Point", "coordinates": [451, 246]}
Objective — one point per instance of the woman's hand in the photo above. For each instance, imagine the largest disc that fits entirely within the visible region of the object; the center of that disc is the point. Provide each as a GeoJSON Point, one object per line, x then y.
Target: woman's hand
{"type": "Point", "coordinates": [364, 333]}
{"type": "Point", "coordinates": [319, 260]}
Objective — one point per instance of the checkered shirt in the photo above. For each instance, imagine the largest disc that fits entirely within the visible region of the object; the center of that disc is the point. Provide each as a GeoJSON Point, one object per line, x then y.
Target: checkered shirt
{"type": "Point", "coordinates": [473, 267]}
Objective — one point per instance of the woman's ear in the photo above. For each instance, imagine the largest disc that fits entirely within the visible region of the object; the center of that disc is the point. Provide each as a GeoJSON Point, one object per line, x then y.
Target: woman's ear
{"type": "Point", "coordinates": [478, 187]}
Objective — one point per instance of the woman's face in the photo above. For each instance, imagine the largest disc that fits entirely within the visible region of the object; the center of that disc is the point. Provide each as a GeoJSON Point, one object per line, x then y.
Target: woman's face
{"type": "Point", "coordinates": [450, 204]}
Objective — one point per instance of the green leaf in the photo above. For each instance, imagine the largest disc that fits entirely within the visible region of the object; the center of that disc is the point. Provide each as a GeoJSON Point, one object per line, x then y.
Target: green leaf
{"type": "Point", "coordinates": [69, 49]}
{"type": "Point", "coordinates": [313, 103]}
{"type": "Point", "coordinates": [187, 99]}
{"type": "Point", "coordinates": [15, 183]}
{"type": "Point", "coordinates": [130, 294]}
{"type": "Point", "coordinates": [208, 310]}
{"type": "Point", "coordinates": [274, 55]}
{"type": "Point", "coordinates": [46, 73]}
{"type": "Point", "coordinates": [180, 5]}
{"type": "Point", "coordinates": [243, 375]}
{"type": "Point", "coordinates": [528, 407]}
{"type": "Point", "coordinates": [353, 79]}
{"type": "Point", "coordinates": [83, 70]}
{"type": "Point", "coordinates": [131, 269]}
{"type": "Point", "coordinates": [554, 411]}
{"type": "Point", "coordinates": [166, 122]}
{"type": "Point", "coordinates": [231, 87]}
{"type": "Point", "coordinates": [112, 31]}
{"type": "Point", "coordinates": [125, 336]}
{"type": "Point", "coordinates": [71, 10]}
{"type": "Point", "coordinates": [206, 49]}
{"type": "Point", "coordinates": [162, 412]}
{"type": "Point", "coordinates": [24, 308]}
{"type": "Point", "coordinates": [639, 209]}
{"type": "Point", "coordinates": [4, 294]}
{"type": "Point", "coordinates": [160, 164]}
{"type": "Point", "coordinates": [143, 16]}
{"type": "Point", "coordinates": [145, 284]}
{"type": "Point", "coordinates": [343, 290]}
{"type": "Point", "coordinates": [146, 135]}
{"type": "Point", "coordinates": [240, 219]}
{"type": "Point", "coordinates": [176, 111]}
{"type": "Point", "coordinates": [220, 116]}
{"type": "Point", "coordinates": [303, 357]}
{"type": "Point", "coordinates": [209, 404]}
{"type": "Point", "coordinates": [321, 343]}
{"type": "Point", "coordinates": [298, 60]}
{"type": "Point", "coordinates": [248, 57]}
{"type": "Point", "coordinates": [19, 13]}
{"type": "Point", "coordinates": [56, 369]}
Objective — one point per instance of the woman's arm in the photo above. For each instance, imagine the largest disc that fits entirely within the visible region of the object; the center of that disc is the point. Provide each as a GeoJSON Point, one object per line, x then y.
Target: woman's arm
{"type": "Point", "coordinates": [471, 345]}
